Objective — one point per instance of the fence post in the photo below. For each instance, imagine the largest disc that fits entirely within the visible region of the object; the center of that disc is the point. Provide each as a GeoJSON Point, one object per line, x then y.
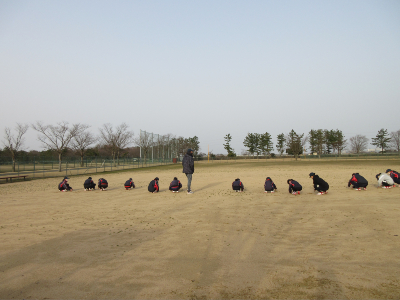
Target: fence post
{"type": "Point", "coordinates": [66, 169]}
{"type": "Point", "coordinates": [18, 168]}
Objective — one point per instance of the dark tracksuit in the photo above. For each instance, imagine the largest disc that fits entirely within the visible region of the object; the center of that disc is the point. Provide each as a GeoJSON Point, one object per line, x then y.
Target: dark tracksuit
{"type": "Point", "coordinates": [175, 185]}
{"type": "Point", "coordinates": [188, 168]}
{"type": "Point", "coordinates": [395, 176]}
{"type": "Point", "coordinates": [63, 185]}
{"type": "Point", "coordinates": [294, 186]}
{"type": "Point", "coordinates": [269, 185]}
{"type": "Point", "coordinates": [319, 184]}
{"type": "Point", "coordinates": [153, 186]}
{"type": "Point", "coordinates": [102, 184]}
{"type": "Point", "coordinates": [237, 185]}
{"type": "Point", "coordinates": [129, 184]}
{"type": "Point", "coordinates": [358, 181]}
{"type": "Point", "coordinates": [89, 184]}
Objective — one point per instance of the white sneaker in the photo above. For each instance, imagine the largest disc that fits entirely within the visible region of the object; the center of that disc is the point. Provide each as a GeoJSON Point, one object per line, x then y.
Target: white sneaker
{"type": "Point", "coordinates": [294, 193]}
{"type": "Point", "coordinates": [190, 192]}
{"type": "Point", "coordinates": [272, 192]}
{"type": "Point", "coordinates": [320, 193]}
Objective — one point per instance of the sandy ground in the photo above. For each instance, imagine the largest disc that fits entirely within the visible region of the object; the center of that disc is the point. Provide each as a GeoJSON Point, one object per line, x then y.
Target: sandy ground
{"type": "Point", "coordinates": [214, 243]}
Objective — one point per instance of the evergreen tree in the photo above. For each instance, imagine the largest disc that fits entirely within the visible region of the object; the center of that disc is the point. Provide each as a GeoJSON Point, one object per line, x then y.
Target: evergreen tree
{"type": "Point", "coordinates": [381, 140]}
{"type": "Point", "coordinates": [293, 141]}
{"type": "Point", "coordinates": [266, 144]}
{"type": "Point", "coordinates": [227, 145]}
{"type": "Point", "coordinates": [280, 145]}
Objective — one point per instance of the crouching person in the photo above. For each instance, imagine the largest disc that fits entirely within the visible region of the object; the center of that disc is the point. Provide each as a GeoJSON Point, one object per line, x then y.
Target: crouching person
{"type": "Point", "coordinates": [153, 186]}
{"type": "Point", "coordinates": [63, 186]}
{"type": "Point", "coordinates": [237, 185]}
{"type": "Point", "coordinates": [358, 182]}
{"type": "Point", "coordinates": [102, 184]}
{"type": "Point", "coordinates": [395, 176]}
{"type": "Point", "coordinates": [269, 185]}
{"type": "Point", "coordinates": [384, 180]}
{"type": "Point", "coordinates": [175, 185]}
{"type": "Point", "coordinates": [89, 184]}
{"type": "Point", "coordinates": [320, 185]}
{"type": "Point", "coordinates": [129, 184]}
{"type": "Point", "coordinates": [294, 187]}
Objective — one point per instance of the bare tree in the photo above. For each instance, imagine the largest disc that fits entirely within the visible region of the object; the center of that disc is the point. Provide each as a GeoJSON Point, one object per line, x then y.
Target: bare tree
{"type": "Point", "coordinates": [57, 137]}
{"type": "Point", "coordinates": [116, 140]}
{"type": "Point", "coordinates": [145, 142]}
{"type": "Point", "coordinates": [395, 140]}
{"type": "Point", "coordinates": [358, 143]}
{"type": "Point", "coordinates": [82, 141]}
{"type": "Point", "coordinates": [14, 144]}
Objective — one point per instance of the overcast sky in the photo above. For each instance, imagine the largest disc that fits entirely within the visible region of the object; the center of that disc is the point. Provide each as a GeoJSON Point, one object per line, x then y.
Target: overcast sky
{"type": "Point", "coordinates": [204, 68]}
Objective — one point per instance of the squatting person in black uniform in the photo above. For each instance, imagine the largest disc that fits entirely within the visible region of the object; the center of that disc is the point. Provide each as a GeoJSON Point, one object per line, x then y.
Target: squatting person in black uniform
{"type": "Point", "coordinates": [237, 185]}
{"type": "Point", "coordinates": [320, 185]}
{"type": "Point", "coordinates": [129, 184]}
{"type": "Point", "coordinates": [89, 184]}
{"type": "Point", "coordinates": [175, 185]}
{"type": "Point", "coordinates": [358, 182]}
{"type": "Point", "coordinates": [269, 185]}
{"type": "Point", "coordinates": [102, 184]}
{"type": "Point", "coordinates": [294, 187]}
{"type": "Point", "coordinates": [153, 186]}
{"type": "Point", "coordinates": [63, 186]}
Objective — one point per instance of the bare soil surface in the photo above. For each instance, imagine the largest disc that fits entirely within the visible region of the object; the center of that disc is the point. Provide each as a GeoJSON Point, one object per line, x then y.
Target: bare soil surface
{"type": "Point", "coordinates": [212, 244]}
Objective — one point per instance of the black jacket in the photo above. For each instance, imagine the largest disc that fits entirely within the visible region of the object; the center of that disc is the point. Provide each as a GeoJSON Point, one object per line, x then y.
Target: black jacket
{"type": "Point", "coordinates": [319, 182]}
{"type": "Point", "coordinates": [237, 185]}
{"type": "Point", "coordinates": [129, 183]}
{"type": "Point", "coordinates": [188, 164]}
{"type": "Point", "coordinates": [357, 178]}
{"type": "Point", "coordinates": [153, 186]}
{"type": "Point", "coordinates": [269, 185]}
{"type": "Point", "coordinates": [175, 185]}
{"type": "Point", "coordinates": [102, 182]}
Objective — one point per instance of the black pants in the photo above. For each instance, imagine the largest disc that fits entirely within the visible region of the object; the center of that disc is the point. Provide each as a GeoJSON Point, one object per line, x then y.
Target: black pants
{"type": "Point", "coordinates": [89, 186]}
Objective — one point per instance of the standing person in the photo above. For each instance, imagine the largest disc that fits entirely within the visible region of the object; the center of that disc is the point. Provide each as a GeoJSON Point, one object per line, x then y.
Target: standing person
{"type": "Point", "coordinates": [63, 186]}
{"type": "Point", "coordinates": [395, 176]}
{"type": "Point", "coordinates": [129, 184]}
{"type": "Point", "coordinates": [188, 168]}
{"type": "Point", "coordinates": [269, 185]}
{"type": "Point", "coordinates": [358, 182]}
{"type": "Point", "coordinates": [89, 184]}
{"type": "Point", "coordinates": [384, 180]}
{"type": "Point", "coordinates": [294, 187]}
{"type": "Point", "coordinates": [237, 185]}
{"type": "Point", "coordinates": [102, 184]}
{"type": "Point", "coordinates": [153, 186]}
{"type": "Point", "coordinates": [320, 185]}
{"type": "Point", "coordinates": [175, 185]}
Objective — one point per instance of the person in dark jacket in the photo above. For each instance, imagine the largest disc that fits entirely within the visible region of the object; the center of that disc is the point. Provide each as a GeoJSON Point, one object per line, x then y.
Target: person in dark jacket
{"type": "Point", "coordinates": [237, 185]}
{"type": "Point", "coordinates": [153, 186]}
{"type": "Point", "coordinates": [175, 185]}
{"type": "Point", "coordinates": [63, 186]}
{"type": "Point", "coordinates": [395, 176]}
{"type": "Point", "coordinates": [89, 184]}
{"type": "Point", "coordinates": [358, 182]}
{"type": "Point", "coordinates": [129, 184]}
{"type": "Point", "coordinates": [269, 185]}
{"type": "Point", "coordinates": [102, 184]}
{"type": "Point", "coordinates": [188, 168]}
{"type": "Point", "coordinates": [294, 187]}
{"type": "Point", "coordinates": [320, 185]}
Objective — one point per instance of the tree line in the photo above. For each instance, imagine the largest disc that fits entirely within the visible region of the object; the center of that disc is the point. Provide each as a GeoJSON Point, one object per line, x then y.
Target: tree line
{"type": "Point", "coordinates": [63, 137]}
{"type": "Point", "coordinates": [317, 141]}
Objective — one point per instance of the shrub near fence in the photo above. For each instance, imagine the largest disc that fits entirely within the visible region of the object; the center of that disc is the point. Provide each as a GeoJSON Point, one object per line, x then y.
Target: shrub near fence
{"type": "Point", "coordinates": [43, 169]}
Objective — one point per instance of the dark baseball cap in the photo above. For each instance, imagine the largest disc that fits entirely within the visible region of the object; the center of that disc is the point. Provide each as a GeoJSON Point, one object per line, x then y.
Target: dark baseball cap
{"type": "Point", "coordinates": [311, 174]}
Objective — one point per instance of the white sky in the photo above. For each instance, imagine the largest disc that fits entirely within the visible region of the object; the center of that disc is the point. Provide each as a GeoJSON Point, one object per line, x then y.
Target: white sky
{"type": "Point", "coordinates": [205, 68]}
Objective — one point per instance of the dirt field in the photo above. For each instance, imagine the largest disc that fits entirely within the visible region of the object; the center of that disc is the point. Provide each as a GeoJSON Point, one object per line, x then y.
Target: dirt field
{"type": "Point", "coordinates": [212, 244]}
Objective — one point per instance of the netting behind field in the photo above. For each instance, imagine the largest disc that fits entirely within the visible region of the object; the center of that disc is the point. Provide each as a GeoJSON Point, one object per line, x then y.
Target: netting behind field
{"type": "Point", "coordinates": [156, 147]}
